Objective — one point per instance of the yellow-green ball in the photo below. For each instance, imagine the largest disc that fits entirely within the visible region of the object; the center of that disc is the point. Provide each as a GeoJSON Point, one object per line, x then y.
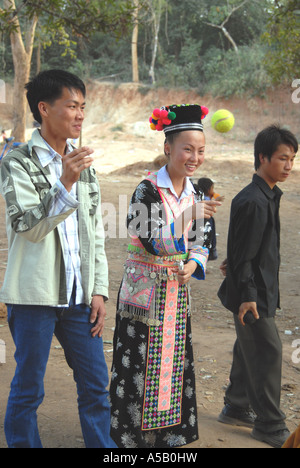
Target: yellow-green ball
{"type": "Point", "coordinates": [222, 121]}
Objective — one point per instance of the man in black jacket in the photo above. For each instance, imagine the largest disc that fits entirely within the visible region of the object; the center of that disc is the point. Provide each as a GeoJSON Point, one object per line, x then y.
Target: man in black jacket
{"type": "Point", "coordinates": [251, 291]}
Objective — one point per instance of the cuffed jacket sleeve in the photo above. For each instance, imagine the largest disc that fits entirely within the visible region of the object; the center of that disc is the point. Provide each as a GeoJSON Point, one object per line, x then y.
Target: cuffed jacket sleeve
{"type": "Point", "coordinates": [200, 256]}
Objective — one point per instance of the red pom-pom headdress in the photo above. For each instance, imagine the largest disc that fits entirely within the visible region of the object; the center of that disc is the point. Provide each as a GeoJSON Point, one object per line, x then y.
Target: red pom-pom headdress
{"type": "Point", "coordinates": [174, 119]}
{"type": "Point", "coordinates": [161, 117]}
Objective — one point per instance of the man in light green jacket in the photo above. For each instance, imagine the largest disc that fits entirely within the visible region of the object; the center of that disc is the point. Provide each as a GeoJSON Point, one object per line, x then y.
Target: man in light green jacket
{"type": "Point", "coordinates": [56, 279]}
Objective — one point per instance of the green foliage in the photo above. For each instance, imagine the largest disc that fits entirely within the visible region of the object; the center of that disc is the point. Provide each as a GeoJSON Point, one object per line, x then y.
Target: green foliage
{"type": "Point", "coordinates": [185, 70]}
{"type": "Point", "coordinates": [93, 39]}
{"type": "Point", "coordinates": [283, 38]}
{"type": "Point", "coordinates": [226, 73]}
{"type": "Point", "coordinates": [62, 24]}
{"type": "Point", "coordinates": [81, 17]}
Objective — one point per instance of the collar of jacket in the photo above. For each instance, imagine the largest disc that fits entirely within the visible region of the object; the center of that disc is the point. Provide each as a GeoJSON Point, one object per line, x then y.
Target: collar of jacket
{"type": "Point", "coordinates": [266, 189]}
{"type": "Point", "coordinates": [37, 141]}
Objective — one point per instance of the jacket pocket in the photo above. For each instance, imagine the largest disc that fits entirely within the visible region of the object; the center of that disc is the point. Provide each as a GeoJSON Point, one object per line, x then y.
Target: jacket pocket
{"type": "Point", "coordinates": [89, 196]}
{"type": "Point", "coordinates": [93, 200]}
{"type": "Point", "coordinates": [92, 197]}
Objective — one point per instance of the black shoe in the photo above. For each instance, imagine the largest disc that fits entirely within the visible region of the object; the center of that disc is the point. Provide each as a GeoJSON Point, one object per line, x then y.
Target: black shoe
{"type": "Point", "coordinates": [275, 439]}
{"type": "Point", "coordinates": [237, 417]}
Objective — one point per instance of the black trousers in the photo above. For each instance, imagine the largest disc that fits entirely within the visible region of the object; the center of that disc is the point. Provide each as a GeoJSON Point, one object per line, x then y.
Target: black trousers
{"type": "Point", "coordinates": [255, 380]}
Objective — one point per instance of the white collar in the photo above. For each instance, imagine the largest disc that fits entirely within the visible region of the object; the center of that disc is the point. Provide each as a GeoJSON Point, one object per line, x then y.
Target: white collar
{"type": "Point", "coordinates": [164, 181]}
{"type": "Point", "coordinates": [45, 153]}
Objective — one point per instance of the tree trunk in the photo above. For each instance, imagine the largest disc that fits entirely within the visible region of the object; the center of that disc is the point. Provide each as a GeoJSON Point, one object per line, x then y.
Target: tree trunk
{"type": "Point", "coordinates": [22, 69]}
{"type": "Point", "coordinates": [38, 58]}
{"type": "Point", "coordinates": [156, 27]}
{"type": "Point", "coordinates": [134, 44]}
{"type": "Point", "coordinates": [22, 54]}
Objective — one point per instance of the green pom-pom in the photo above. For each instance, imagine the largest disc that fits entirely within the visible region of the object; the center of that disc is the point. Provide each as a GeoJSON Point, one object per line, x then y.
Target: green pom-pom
{"type": "Point", "coordinates": [172, 116]}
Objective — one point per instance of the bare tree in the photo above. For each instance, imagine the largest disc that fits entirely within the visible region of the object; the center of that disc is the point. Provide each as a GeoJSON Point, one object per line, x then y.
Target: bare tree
{"type": "Point", "coordinates": [156, 8]}
{"type": "Point", "coordinates": [230, 11]}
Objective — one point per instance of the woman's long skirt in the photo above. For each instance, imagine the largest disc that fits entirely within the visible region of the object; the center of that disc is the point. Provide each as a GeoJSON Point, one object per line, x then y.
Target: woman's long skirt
{"type": "Point", "coordinates": [138, 419]}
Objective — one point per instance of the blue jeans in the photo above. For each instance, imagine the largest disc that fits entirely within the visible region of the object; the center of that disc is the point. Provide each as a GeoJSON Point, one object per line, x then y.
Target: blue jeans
{"type": "Point", "coordinates": [32, 328]}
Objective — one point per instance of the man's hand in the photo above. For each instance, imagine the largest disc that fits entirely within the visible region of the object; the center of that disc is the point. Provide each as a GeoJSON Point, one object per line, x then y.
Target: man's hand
{"type": "Point", "coordinates": [73, 164]}
{"type": "Point", "coordinates": [205, 209]}
{"type": "Point", "coordinates": [202, 210]}
{"type": "Point", "coordinates": [223, 267]}
{"type": "Point", "coordinates": [97, 317]}
{"type": "Point", "coordinates": [244, 308]}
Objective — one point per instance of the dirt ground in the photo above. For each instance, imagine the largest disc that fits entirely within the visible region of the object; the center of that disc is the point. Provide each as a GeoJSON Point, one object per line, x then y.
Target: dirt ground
{"type": "Point", "coordinates": [125, 151]}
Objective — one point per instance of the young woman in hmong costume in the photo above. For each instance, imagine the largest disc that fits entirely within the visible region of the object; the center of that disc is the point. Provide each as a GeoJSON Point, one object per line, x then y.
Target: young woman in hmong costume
{"type": "Point", "coordinates": [153, 381]}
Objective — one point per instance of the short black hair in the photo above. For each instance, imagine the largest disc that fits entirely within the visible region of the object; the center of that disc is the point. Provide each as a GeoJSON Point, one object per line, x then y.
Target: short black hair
{"type": "Point", "coordinates": [269, 139]}
{"type": "Point", "coordinates": [204, 185]}
{"type": "Point", "coordinates": [48, 86]}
